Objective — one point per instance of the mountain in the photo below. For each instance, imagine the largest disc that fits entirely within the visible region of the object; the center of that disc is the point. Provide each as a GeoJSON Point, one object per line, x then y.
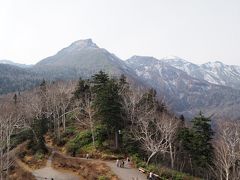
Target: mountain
{"type": "Point", "coordinates": [14, 64]}
{"type": "Point", "coordinates": [186, 87]}
{"type": "Point", "coordinates": [14, 78]}
{"type": "Point", "coordinates": [183, 93]}
{"type": "Point", "coordinates": [213, 72]}
{"type": "Point", "coordinates": [81, 59]}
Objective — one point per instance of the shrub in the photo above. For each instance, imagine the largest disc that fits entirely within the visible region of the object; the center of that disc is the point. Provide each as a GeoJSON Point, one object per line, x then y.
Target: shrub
{"type": "Point", "coordinates": [20, 137]}
{"type": "Point", "coordinates": [82, 139]}
{"type": "Point", "coordinates": [70, 131]}
{"type": "Point", "coordinates": [103, 178]}
{"type": "Point", "coordinates": [39, 155]}
{"type": "Point", "coordinates": [101, 134]}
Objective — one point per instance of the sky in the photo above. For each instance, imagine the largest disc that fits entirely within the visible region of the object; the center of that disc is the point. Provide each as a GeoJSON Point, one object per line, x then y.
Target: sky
{"type": "Point", "coordinates": [196, 30]}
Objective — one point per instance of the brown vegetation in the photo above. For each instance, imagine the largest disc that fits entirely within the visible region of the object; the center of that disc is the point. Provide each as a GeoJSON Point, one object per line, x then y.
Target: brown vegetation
{"type": "Point", "coordinates": [86, 169]}
{"type": "Point", "coordinates": [19, 173]}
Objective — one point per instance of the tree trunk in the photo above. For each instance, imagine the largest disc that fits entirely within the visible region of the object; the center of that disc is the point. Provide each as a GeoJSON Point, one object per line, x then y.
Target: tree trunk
{"type": "Point", "coordinates": [58, 130]}
{"type": "Point", "coordinates": [171, 156]}
{"type": "Point", "coordinates": [8, 157]}
{"type": "Point", "coordinates": [1, 153]}
{"type": "Point", "coordinates": [150, 157]}
{"type": "Point", "coordinates": [227, 174]}
{"type": "Point", "coordinates": [93, 138]}
{"type": "Point", "coordinates": [116, 140]}
{"type": "Point", "coordinates": [64, 123]}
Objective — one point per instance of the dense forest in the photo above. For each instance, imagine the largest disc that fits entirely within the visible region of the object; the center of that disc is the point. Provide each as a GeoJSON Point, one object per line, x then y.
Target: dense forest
{"type": "Point", "coordinates": [14, 79]}
{"type": "Point", "coordinates": [107, 115]}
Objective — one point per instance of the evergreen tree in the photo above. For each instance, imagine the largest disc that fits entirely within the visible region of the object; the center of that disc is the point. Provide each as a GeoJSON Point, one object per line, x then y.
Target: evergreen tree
{"type": "Point", "coordinates": [125, 93]}
{"type": "Point", "coordinates": [107, 103]}
{"type": "Point", "coordinates": [81, 88]}
{"type": "Point", "coordinates": [99, 81]}
{"type": "Point", "coordinates": [196, 141]}
{"type": "Point", "coordinates": [40, 125]}
{"type": "Point", "coordinates": [37, 140]}
{"type": "Point", "coordinates": [149, 102]}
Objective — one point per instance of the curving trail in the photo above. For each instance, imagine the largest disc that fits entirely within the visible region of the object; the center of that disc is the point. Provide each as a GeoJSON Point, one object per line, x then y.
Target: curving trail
{"type": "Point", "coordinates": [126, 173]}
{"type": "Point", "coordinates": [50, 173]}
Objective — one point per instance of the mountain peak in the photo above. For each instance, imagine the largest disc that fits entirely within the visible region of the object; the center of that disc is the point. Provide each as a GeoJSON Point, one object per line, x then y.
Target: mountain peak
{"type": "Point", "coordinates": [85, 43]}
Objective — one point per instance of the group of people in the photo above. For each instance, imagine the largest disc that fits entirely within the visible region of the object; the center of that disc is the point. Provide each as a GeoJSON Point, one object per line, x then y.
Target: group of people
{"type": "Point", "coordinates": [122, 162]}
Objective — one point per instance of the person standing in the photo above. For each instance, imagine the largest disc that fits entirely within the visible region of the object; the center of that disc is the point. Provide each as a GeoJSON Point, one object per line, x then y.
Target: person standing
{"type": "Point", "coordinates": [87, 156]}
{"type": "Point", "coordinates": [150, 177]}
{"type": "Point", "coordinates": [128, 162]}
{"type": "Point", "coordinates": [122, 163]}
{"type": "Point", "coordinates": [117, 163]}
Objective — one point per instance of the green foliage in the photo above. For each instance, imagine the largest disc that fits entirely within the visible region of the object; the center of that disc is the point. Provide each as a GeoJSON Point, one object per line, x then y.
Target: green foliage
{"type": "Point", "coordinates": [107, 102]}
{"type": "Point", "coordinates": [81, 139]}
{"type": "Point", "coordinates": [37, 143]}
{"type": "Point", "coordinates": [149, 101]}
{"type": "Point", "coordinates": [103, 178]}
{"type": "Point", "coordinates": [39, 155]}
{"type": "Point", "coordinates": [70, 131]}
{"type": "Point", "coordinates": [20, 137]}
{"type": "Point", "coordinates": [14, 79]}
{"type": "Point", "coordinates": [40, 125]}
{"type": "Point", "coordinates": [163, 172]}
{"type": "Point", "coordinates": [137, 159]}
{"type": "Point", "coordinates": [100, 134]}
{"type": "Point", "coordinates": [129, 145]}
{"type": "Point", "coordinates": [82, 89]}
{"type": "Point", "coordinates": [196, 141]}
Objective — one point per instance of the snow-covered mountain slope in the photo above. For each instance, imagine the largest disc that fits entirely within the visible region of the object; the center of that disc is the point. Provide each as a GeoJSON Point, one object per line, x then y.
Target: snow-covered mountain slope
{"type": "Point", "coordinates": [213, 72]}
{"type": "Point", "coordinates": [183, 93]}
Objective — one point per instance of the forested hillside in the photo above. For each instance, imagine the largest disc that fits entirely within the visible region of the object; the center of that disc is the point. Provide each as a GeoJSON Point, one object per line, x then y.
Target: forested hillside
{"type": "Point", "coordinates": [180, 83]}
{"type": "Point", "coordinates": [107, 117]}
{"type": "Point", "coordinates": [13, 78]}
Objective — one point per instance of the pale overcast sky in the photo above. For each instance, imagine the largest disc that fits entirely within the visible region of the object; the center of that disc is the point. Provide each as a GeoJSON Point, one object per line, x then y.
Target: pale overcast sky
{"type": "Point", "coordinates": [197, 30]}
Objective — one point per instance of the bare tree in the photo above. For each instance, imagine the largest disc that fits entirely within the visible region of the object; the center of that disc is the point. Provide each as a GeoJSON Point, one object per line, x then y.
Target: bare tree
{"type": "Point", "coordinates": [10, 121]}
{"type": "Point", "coordinates": [156, 131]}
{"type": "Point", "coordinates": [227, 150]}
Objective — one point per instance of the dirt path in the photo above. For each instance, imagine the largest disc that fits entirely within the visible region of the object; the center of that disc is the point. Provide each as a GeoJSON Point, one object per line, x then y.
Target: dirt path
{"type": "Point", "coordinates": [126, 173]}
{"type": "Point", "coordinates": [50, 173]}
{"type": "Point", "coordinates": [122, 173]}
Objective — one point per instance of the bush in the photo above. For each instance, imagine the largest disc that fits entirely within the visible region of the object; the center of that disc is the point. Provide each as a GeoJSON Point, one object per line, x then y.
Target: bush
{"type": "Point", "coordinates": [100, 134]}
{"type": "Point", "coordinates": [39, 155]}
{"type": "Point", "coordinates": [103, 178]}
{"type": "Point", "coordinates": [82, 139]}
{"type": "Point", "coordinates": [70, 131]}
{"type": "Point", "coordinates": [61, 142]}
{"type": "Point", "coordinates": [20, 137]}
{"type": "Point", "coordinates": [178, 176]}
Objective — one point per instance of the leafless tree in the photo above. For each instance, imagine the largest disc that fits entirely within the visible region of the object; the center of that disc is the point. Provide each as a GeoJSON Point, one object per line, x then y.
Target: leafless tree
{"type": "Point", "coordinates": [156, 131]}
{"type": "Point", "coordinates": [227, 150]}
{"type": "Point", "coordinates": [10, 121]}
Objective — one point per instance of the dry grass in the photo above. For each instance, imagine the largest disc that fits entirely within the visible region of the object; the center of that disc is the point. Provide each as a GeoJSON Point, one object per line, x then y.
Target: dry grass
{"type": "Point", "coordinates": [19, 172]}
{"type": "Point", "coordinates": [90, 170]}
